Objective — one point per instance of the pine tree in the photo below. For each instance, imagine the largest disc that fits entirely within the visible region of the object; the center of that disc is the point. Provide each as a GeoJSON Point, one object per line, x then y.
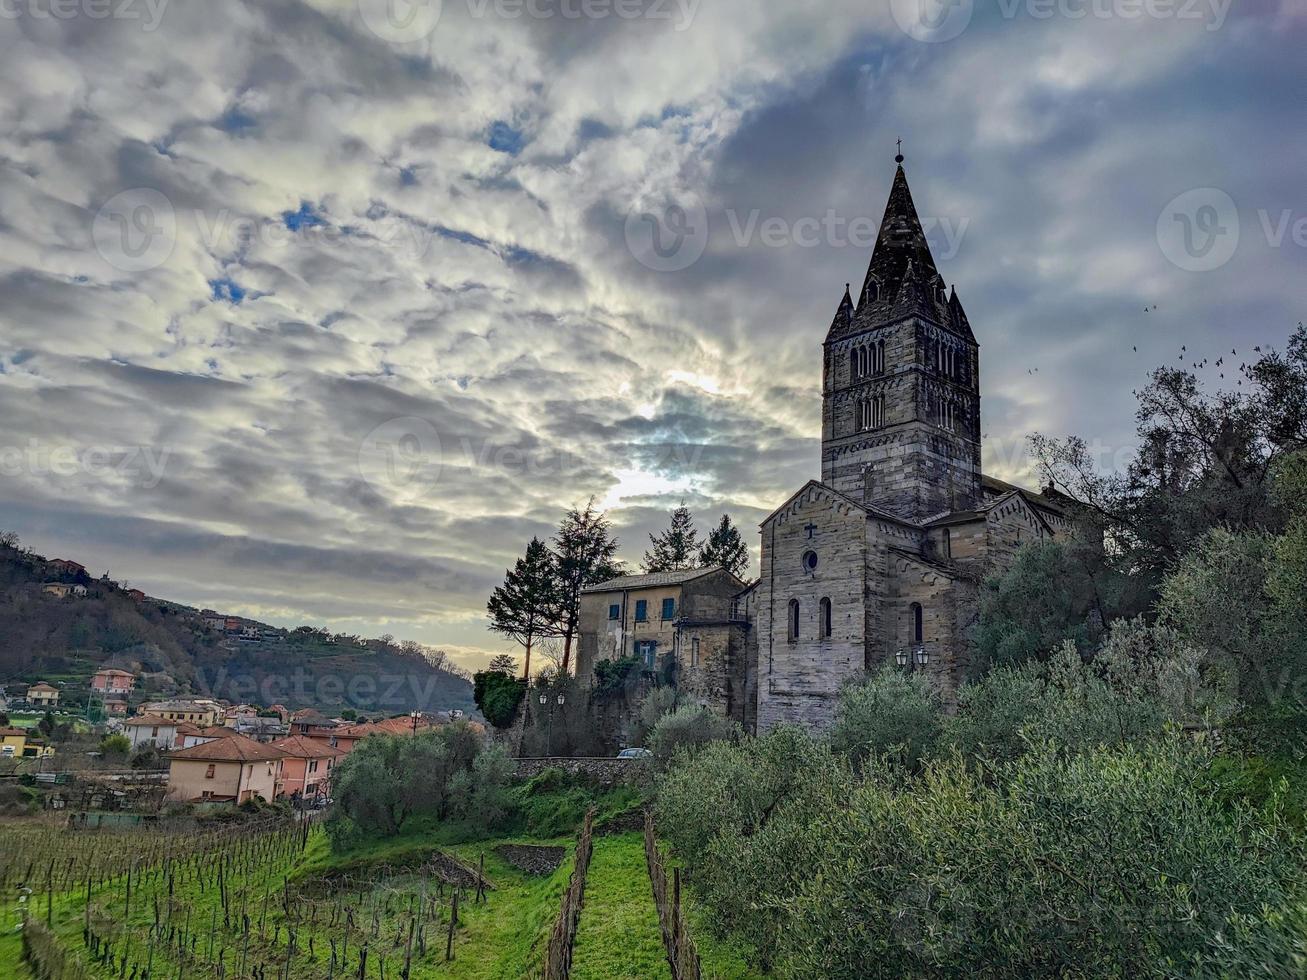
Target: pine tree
{"type": "Point", "coordinates": [725, 548]}
{"type": "Point", "coordinates": [586, 554]}
{"type": "Point", "coordinates": [676, 548]}
{"type": "Point", "coordinates": [524, 606]}
{"type": "Point", "coordinates": [503, 663]}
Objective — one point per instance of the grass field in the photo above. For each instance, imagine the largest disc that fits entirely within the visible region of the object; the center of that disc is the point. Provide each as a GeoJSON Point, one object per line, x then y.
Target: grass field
{"type": "Point", "coordinates": [618, 938]}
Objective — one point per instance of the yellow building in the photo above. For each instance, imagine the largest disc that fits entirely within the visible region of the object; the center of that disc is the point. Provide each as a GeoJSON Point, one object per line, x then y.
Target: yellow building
{"type": "Point", "coordinates": [201, 712]}
{"type": "Point", "coordinates": [16, 743]}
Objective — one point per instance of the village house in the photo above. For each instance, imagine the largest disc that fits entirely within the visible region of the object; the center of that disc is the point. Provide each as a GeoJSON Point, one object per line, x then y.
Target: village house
{"type": "Point", "coordinates": [198, 711]}
{"type": "Point", "coordinates": [136, 595]}
{"type": "Point", "coordinates": [234, 770]}
{"type": "Point", "coordinates": [345, 737]}
{"type": "Point", "coordinates": [43, 696]}
{"type": "Point", "coordinates": [65, 567]}
{"type": "Point", "coordinates": [261, 729]}
{"type": "Point", "coordinates": [147, 730]}
{"type": "Point", "coordinates": [307, 767]}
{"type": "Point", "coordinates": [18, 743]}
{"type": "Point", "coordinates": [63, 590]}
{"type": "Point", "coordinates": [112, 682]}
{"type": "Point", "coordinates": [310, 721]}
{"type": "Point", "coordinates": [688, 624]}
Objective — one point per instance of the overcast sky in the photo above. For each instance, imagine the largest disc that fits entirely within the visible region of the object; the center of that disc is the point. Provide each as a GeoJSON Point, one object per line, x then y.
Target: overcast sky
{"type": "Point", "coordinates": [317, 310]}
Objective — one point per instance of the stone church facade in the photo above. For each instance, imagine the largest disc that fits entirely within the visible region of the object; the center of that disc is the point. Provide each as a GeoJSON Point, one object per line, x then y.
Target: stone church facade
{"type": "Point", "coordinates": [880, 561]}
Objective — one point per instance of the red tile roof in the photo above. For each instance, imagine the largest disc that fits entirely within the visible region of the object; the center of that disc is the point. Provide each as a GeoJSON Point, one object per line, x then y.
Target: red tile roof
{"type": "Point", "coordinates": [218, 731]}
{"type": "Point", "coordinates": [237, 748]}
{"type": "Point", "coordinates": [299, 747]}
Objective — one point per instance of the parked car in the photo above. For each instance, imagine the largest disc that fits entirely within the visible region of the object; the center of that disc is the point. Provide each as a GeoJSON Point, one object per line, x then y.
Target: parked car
{"type": "Point", "coordinates": [635, 754]}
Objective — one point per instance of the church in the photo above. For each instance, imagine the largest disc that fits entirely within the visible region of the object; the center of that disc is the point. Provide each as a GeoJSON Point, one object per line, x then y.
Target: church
{"type": "Point", "coordinates": [879, 563]}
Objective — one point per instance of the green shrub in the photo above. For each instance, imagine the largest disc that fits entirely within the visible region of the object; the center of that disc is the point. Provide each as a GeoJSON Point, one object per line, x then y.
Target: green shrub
{"type": "Point", "coordinates": [115, 746]}
{"type": "Point", "coordinates": [687, 729]}
{"type": "Point", "coordinates": [892, 714]}
{"type": "Point", "coordinates": [1113, 862]}
{"type": "Point", "coordinates": [498, 696]}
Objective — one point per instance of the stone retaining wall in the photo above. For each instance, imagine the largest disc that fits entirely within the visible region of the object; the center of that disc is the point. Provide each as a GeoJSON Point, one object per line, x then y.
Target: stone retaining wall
{"type": "Point", "coordinates": [606, 772]}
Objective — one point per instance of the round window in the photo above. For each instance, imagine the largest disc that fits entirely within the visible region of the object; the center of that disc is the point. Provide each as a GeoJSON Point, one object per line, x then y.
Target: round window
{"type": "Point", "coordinates": [810, 561]}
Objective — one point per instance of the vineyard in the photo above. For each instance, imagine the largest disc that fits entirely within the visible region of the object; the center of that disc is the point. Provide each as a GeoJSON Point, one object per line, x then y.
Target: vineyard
{"type": "Point", "coordinates": [268, 900]}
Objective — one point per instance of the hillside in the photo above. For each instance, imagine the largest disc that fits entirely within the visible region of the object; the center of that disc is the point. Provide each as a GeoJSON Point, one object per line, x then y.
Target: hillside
{"type": "Point", "coordinates": [178, 649]}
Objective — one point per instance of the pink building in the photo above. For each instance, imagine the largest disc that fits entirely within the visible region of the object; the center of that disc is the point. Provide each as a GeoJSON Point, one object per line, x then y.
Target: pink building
{"type": "Point", "coordinates": [110, 681]}
{"type": "Point", "coordinates": [307, 766]}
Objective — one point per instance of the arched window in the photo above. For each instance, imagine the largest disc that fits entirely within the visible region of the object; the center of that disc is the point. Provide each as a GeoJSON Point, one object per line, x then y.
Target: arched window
{"type": "Point", "coordinates": [918, 624]}
{"type": "Point", "coordinates": [794, 620]}
{"type": "Point", "coordinates": [825, 619]}
{"type": "Point", "coordinates": [873, 290]}
{"type": "Point", "coordinates": [880, 357]}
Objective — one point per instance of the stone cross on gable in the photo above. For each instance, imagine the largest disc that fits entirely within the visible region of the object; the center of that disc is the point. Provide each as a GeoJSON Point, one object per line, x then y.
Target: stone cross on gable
{"type": "Point", "coordinates": [811, 529]}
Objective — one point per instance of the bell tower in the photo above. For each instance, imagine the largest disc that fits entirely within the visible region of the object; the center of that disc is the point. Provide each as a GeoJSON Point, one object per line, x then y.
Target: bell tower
{"type": "Point", "coordinates": [901, 380]}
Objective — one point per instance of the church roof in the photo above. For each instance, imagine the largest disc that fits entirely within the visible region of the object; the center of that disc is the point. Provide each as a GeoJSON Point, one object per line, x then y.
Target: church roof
{"type": "Point", "coordinates": [902, 279]}
{"type": "Point", "coordinates": [870, 509]}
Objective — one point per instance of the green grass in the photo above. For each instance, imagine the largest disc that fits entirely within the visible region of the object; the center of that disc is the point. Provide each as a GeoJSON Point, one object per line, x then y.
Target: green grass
{"type": "Point", "coordinates": [618, 938]}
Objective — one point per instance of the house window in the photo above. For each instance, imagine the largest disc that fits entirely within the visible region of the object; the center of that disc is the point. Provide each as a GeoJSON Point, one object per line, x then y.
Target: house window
{"type": "Point", "coordinates": [918, 623]}
{"type": "Point", "coordinates": [694, 651]}
{"type": "Point", "coordinates": [211, 771]}
{"type": "Point", "coordinates": [614, 611]}
{"type": "Point", "coordinates": [794, 620]}
{"type": "Point", "coordinates": [669, 609]}
{"type": "Point", "coordinates": [947, 543]}
{"type": "Point", "coordinates": [641, 610]}
{"type": "Point", "coordinates": [647, 652]}
{"type": "Point", "coordinates": [313, 765]}
{"type": "Point", "coordinates": [825, 619]}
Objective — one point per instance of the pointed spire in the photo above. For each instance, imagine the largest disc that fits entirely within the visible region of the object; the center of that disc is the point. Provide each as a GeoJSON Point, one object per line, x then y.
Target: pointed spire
{"type": "Point", "coordinates": [958, 321]}
{"type": "Point", "coordinates": [900, 243]}
{"type": "Point", "coordinates": [843, 314]}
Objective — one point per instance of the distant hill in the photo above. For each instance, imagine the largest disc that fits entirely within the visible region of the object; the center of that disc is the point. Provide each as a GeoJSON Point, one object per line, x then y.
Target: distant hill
{"type": "Point", "coordinates": [177, 649]}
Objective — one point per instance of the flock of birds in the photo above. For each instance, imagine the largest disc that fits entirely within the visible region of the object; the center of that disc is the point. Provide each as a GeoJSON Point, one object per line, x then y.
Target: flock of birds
{"type": "Point", "coordinates": [1193, 361]}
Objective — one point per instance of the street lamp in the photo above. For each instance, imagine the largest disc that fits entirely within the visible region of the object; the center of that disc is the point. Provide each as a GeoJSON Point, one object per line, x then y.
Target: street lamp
{"type": "Point", "coordinates": [918, 657]}
{"type": "Point", "coordinates": [415, 715]}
